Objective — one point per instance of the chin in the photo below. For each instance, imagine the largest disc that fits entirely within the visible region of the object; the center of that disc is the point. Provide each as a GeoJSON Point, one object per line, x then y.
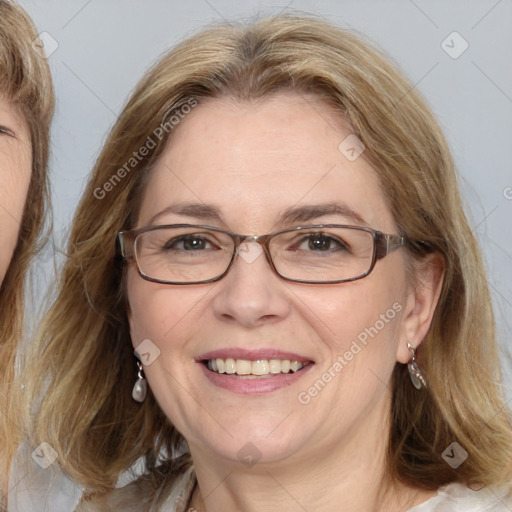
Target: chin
{"type": "Point", "coordinates": [249, 446]}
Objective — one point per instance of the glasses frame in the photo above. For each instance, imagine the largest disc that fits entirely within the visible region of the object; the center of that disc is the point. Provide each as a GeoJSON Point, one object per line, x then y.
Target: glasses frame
{"type": "Point", "coordinates": [383, 244]}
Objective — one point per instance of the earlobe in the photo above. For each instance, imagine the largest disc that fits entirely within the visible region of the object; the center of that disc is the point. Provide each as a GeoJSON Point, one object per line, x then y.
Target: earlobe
{"type": "Point", "coordinates": [421, 303]}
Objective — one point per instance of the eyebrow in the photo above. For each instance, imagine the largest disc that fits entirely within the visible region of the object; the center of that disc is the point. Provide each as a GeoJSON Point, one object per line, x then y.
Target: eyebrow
{"type": "Point", "coordinates": [297, 214]}
{"type": "Point", "coordinates": [200, 211]}
{"type": "Point", "coordinates": [310, 212]}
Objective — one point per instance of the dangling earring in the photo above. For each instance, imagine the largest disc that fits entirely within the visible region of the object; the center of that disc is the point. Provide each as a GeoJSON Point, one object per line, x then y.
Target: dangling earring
{"type": "Point", "coordinates": [140, 387]}
{"type": "Point", "coordinates": [417, 377]}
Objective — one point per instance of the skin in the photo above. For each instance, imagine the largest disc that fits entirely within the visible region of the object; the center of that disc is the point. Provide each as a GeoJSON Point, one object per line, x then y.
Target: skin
{"type": "Point", "coordinates": [252, 161]}
{"type": "Point", "coordinates": [15, 173]}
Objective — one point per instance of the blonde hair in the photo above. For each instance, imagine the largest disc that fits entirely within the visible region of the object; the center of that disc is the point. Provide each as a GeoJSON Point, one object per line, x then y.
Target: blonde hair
{"type": "Point", "coordinates": [25, 82]}
{"type": "Point", "coordinates": [86, 411]}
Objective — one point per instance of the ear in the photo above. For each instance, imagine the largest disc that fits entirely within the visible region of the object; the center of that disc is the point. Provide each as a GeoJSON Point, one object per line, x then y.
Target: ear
{"type": "Point", "coordinates": [421, 302]}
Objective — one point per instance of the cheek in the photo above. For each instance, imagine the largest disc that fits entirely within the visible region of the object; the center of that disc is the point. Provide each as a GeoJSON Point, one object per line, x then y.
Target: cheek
{"type": "Point", "coordinates": [361, 320]}
{"type": "Point", "coordinates": [160, 313]}
{"type": "Point", "coordinates": [14, 180]}
{"type": "Point", "coordinates": [163, 320]}
{"type": "Point", "coordinates": [359, 327]}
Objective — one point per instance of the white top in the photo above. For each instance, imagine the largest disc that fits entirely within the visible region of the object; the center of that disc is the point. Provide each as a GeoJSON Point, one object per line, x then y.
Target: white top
{"type": "Point", "coordinates": [454, 497]}
{"type": "Point", "coordinates": [49, 490]}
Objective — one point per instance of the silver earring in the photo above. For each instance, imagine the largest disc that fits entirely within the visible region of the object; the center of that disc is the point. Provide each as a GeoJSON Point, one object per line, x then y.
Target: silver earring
{"type": "Point", "coordinates": [417, 377]}
{"type": "Point", "coordinates": [140, 387]}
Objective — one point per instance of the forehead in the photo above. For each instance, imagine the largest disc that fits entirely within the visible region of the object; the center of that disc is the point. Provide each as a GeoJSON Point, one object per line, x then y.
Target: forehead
{"type": "Point", "coordinates": [255, 160]}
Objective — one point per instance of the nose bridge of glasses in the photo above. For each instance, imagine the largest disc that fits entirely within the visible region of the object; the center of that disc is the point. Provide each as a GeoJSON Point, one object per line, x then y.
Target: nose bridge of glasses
{"type": "Point", "coordinates": [250, 247]}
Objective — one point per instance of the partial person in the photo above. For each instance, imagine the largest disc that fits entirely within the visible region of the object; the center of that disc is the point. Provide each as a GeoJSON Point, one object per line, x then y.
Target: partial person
{"type": "Point", "coordinates": [26, 110]}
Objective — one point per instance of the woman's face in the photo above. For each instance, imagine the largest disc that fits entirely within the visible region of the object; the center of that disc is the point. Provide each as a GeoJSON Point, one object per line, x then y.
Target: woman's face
{"type": "Point", "coordinates": [241, 167]}
{"type": "Point", "coordinates": [15, 173]}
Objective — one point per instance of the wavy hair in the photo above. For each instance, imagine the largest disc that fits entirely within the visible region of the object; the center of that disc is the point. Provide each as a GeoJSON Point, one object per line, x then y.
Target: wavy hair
{"type": "Point", "coordinates": [84, 353]}
{"type": "Point", "coordinates": [25, 82]}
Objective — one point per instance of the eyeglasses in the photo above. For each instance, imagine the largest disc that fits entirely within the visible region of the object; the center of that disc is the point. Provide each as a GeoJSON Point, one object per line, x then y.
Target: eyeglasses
{"type": "Point", "coordinates": [189, 254]}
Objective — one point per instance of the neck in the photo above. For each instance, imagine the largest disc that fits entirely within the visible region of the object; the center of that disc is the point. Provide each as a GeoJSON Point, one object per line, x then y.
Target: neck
{"type": "Point", "coordinates": [350, 476]}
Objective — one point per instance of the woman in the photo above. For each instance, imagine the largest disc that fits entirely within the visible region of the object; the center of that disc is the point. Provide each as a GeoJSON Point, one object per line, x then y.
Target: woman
{"type": "Point", "coordinates": [26, 109]}
{"type": "Point", "coordinates": [345, 361]}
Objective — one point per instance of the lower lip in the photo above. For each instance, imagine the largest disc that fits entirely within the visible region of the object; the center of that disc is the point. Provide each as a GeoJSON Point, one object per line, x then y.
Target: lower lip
{"type": "Point", "coordinates": [259, 385]}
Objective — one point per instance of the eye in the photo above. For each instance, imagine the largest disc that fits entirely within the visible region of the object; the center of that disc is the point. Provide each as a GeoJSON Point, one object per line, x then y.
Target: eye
{"type": "Point", "coordinates": [5, 130]}
{"type": "Point", "coordinates": [320, 242]}
{"type": "Point", "coordinates": [188, 243]}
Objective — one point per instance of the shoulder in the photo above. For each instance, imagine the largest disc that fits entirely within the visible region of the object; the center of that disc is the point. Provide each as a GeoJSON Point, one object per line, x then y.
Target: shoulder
{"type": "Point", "coordinates": [34, 486]}
{"type": "Point", "coordinates": [181, 492]}
{"type": "Point", "coordinates": [456, 497]}
{"type": "Point", "coordinates": [170, 495]}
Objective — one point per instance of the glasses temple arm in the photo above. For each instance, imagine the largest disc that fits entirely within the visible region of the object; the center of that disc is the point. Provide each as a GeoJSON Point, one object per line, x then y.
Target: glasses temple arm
{"type": "Point", "coordinates": [388, 243]}
{"type": "Point", "coordinates": [124, 245]}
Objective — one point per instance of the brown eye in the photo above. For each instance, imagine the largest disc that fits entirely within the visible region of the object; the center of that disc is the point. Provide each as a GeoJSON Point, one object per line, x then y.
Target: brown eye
{"type": "Point", "coordinates": [320, 242]}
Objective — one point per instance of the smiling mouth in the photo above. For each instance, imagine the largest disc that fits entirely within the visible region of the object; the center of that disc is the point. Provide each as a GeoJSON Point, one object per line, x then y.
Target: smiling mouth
{"type": "Point", "coordinates": [245, 368]}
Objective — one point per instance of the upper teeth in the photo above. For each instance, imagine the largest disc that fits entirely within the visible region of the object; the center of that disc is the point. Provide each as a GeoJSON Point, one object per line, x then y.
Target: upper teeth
{"type": "Point", "coordinates": [259, 367]}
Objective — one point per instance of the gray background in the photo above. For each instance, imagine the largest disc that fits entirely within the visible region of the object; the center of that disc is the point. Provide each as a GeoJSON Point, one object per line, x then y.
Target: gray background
{"type": "Point", "coordinates": [104, 47]}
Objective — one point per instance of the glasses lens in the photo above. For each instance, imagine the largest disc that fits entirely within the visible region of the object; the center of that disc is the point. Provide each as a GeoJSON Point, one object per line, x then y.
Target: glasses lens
{"type": "Point", "coordinates": [183, 254]}
{"type": "Point", "coordinates": [321, 255]}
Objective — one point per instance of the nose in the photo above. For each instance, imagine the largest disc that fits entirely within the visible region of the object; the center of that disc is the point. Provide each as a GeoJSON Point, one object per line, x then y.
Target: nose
{"type": "Point", "coordinates": [251, 294]}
